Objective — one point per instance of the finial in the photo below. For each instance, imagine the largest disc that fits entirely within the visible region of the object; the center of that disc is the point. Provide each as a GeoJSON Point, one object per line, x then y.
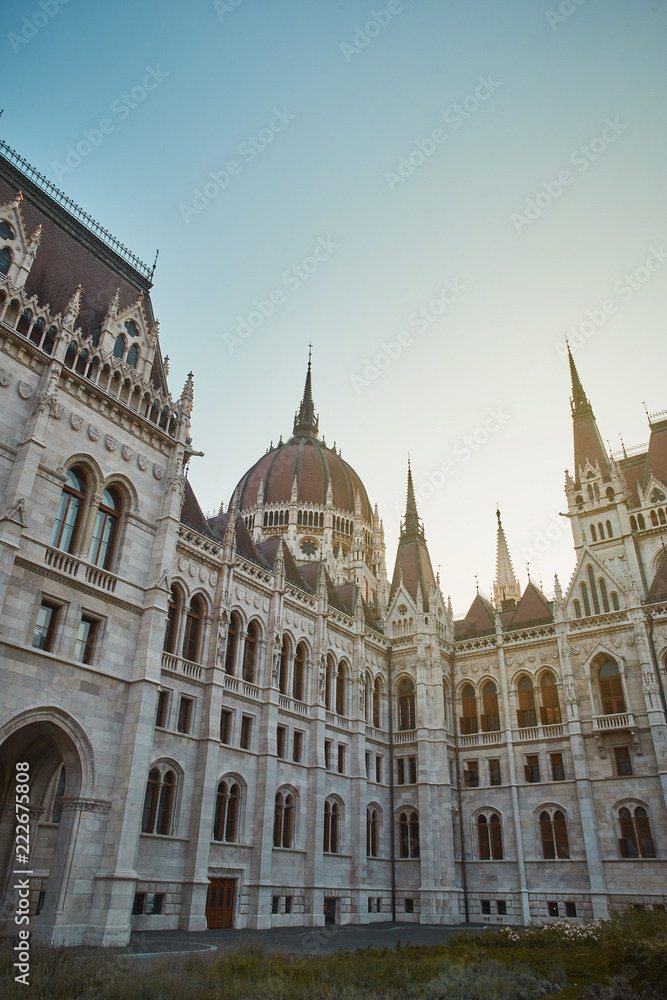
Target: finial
{"type": "Point", "coordinates": [72, 308]}
{"type": "Point", "coordinates": [476, 583]}
{"type": "Point", "coordinates": [305, 421]}
{"type": "Point", "coordinates": [165, 364]}
{"type": "Point", "coordinates": [157, 254]}
{"type": "Point", "coordinates": [188, 394]}
{"type": "Point", "coordinates": [528, 571]}
{"type": "Point", "coordinates": [625, 455]}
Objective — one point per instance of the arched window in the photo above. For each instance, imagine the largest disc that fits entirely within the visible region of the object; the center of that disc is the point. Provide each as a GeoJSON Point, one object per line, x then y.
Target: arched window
{"type": "Point", "coordinates": [526, 713]}
{"type": "Point", "coordinates": [641, 522]}
{"type": "Point", "coordinates": [250, 653]}
{"type": "Point", "coordinates": [372, 832]}
{"type": "Point", "coordinates": [192, 633]}
{"type": "Point", "coordinates": [489, 837]}
{"type": "Point", "coordinates": [603, 594]}
{"type": "Point", "coordinates": [468, 710]}
{"type": "Point", "coordinates": [593, 535]}
{"type": "Point", "coordinates": [633, 523]}
{"type": "Point", "coordinates": [68, 516]}
{"type": "Point", "coordinates": [610, 533]}
{"type": "Point", "coordinates": [329, 683]}
{"type": "Point", "coordinates": [406, 704]}
{"type": "Point", "coordinates": [225, 824]}
{"type": "Point", "coordinates": [331, 827]}
{"type": "Point", "coordinates": [5, 260]}
{"type": "Point", "coordinates": [105, 530]}
{"type": "Point", "coordinates": [614, 601]}
{"type": "Point", "coordinates": [282, 668]}
{"type": "Point", "coordinates": [283, 820]}
{"type": "Point", "coordinates": [654, 519]}
{"type": "Point", "coordinates": [589, 490]}
{"type": "Point", "coordinates": [158, 802]}
{"type": "Point", "coordinates": [550, 708]}
{"type": "Point", "coordinates": [490, 713]}
{"type": "Point", "coordinates": [6, 231]}
{"type": "Point", "coordinates": [340, 689]}
{"type": "Point", "coordinates": [56, 809]}
{"type": "Point", "coordinates": [635, 840]}
{"type": "Point", "coordinates": [132, 356]}
{"type": "Point", "coordinates": [577, 609]}
{"type": "Point", "coordinates": [37, 331]}
{"type": "Point", "coordinates": [408, 834]}
{"type": "Point", "coordinates": [119, 346]}
{"type": "Point", "coordinates": [661, 516]}
{"type": "Point", "coordinates": [587, 603]}
{"type": "Point", "coordinates": [377, 695]}
{"type": "Point", "coordinates": [299, 667]}
{"type": "Point", "coordinates": [232, 638]}
{"type": "Point", "coordinates": [553, 832]}
{"type": "Point", "coordinates": [172, 621]}
{"type": "Point", "coordinates": [131, 328]}
{"type": "Point", "coordinates": [611, 689]}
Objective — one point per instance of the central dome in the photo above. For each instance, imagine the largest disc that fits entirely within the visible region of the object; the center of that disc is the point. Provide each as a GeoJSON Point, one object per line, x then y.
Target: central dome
{"type": "Point", "coordinates": [315, 467]}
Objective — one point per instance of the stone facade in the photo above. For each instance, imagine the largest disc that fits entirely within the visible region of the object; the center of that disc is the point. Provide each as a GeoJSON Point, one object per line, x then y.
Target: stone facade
{"type": "Point", "coordinates": [240, 719]}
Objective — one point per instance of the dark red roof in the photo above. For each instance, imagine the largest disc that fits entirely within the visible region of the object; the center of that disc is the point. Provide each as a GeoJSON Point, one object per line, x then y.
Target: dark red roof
{"type": "Point", "coordinates": [315, 466]}
{"type": "Point", "coordinates": [658, 591]}
{"type": "Point", "coordinates": [191, 512]}
{"type": "Point", "coordinates": [414, 562]}
{"type": "Point", "coordinates": [478, 621]}
{"type": "Point", "coordinates": [533, 607]}
{"type": "Point", "coordinates": [656, 460]}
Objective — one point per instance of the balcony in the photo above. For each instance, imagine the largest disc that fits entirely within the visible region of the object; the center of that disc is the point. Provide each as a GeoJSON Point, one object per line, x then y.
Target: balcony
{"type": "Point", "coordinates": [180, 666]}
{"type": "Point", "coordinates": [292, 705]}
{"type": "Point", "coordinates": [62, 562]}
{"type": "Point", "coordinates": [338, 721]}
{"type": "Point", "coordinates": [480, 739]}
{"type": "Point", "coordinates": [622, 720]}
{"type": "Point", "coordinates": [532, 733]}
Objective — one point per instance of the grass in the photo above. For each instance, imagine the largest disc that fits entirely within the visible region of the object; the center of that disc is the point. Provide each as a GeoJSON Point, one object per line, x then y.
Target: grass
{"type": "Point", "coordinates": [507, 964]}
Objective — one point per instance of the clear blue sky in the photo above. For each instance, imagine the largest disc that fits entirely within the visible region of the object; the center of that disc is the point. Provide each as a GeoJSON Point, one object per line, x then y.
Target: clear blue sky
{"type": "Point", "coordinates": [315, 117]}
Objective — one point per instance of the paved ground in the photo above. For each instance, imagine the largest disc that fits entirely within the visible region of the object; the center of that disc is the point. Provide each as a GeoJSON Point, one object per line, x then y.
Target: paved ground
{"type": "Point", "coordinates": [304, 940]}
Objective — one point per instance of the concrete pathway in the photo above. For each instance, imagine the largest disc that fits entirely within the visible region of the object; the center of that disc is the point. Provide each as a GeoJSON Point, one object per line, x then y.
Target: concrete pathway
{"type": "Point", "coordinates": [296, 940]}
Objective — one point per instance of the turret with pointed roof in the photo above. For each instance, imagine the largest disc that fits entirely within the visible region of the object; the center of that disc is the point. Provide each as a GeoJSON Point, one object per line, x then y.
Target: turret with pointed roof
{"type": "Point", "coordinates": [506, 589]}
{"type": "Point", "coordinates": [305, 422]}
{"type": "Point", "coordinates": [413, 562]}
{"type": "Point", "coordinates": [588, 444]}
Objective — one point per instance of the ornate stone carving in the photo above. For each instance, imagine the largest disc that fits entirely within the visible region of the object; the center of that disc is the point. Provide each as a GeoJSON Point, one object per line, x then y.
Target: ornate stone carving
{"type": "Point", "coordinates": [111, 442]}
{"type": "Point", "coordinates": [142, 462]}
{"type": "Point", "coordinates": [570, 693]}
{"type": "Point", "coordinates": [86, 805]}
{"type": "Point", "coordinates": [94, 433]}
{"type": "Point", "coordinates": [127, 451]}
{"type": "Point", "coordinates": [16, 513]}
{"type": "Point", "coordinates": [158, 471]}
{"type": "Point", "coordinates": [26, 389]}
{"type": "Point", "coordinates": [76, 420]}
{"type": "Point", "coordinates": [5, 377]}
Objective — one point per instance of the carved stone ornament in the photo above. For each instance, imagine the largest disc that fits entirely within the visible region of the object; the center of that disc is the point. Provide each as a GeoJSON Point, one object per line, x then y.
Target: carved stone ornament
{"type": "Point", "coordinates": [111, 442]}
{"type": "Point", "coordinates": [142, 462]}
{"type": "Point", "coordinates": [76, 420]}
{"type": "Point", "coordinates": [158, 471]}
{"type": "Point", "coordinates": [26, 389]}
{"type": "Point", "coordinates": [127, 451]}
{"type": "Point", "coordinates": [213, 579]}
{"type": "Point", "coordinates": [5, 377]}
{"type": "Point", "coordinates": [192, 570]}
{"type": "Point", "coordinates": [94, 433]}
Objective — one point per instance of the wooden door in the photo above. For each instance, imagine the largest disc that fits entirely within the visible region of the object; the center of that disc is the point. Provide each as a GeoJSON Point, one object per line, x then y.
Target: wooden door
{"type": "Point", "coordinates": [220, 902]}
{"type": "Point", "coordinates": [330, 910]}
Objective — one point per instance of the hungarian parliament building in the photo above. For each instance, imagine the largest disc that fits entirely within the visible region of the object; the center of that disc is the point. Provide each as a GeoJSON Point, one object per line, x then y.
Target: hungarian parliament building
{"type": "Point", "coordinates": [244, 721]}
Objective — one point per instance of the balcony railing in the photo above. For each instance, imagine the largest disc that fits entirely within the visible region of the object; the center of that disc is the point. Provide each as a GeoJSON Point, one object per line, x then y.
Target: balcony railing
{"type": "Point", "coordinates": [63, 562]}
{"type": "Point", "coordinates": [292, 705]}
{"type": "Point", "coordinates": [622, 720]}
{"type": "Point", "coordinates": [338, 721]}
{"type": "Point", "coordinates": [181, 666]}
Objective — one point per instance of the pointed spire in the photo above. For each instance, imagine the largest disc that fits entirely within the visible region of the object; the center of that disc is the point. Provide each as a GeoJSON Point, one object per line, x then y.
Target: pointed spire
{"type": "Point", "coordinates": [72, 308]}
{"type": "Point", "coordinates": [305, 421]}
{"type": "Point", "coordinates": [260, 492]}
{"type": "Point", "coordinates": [587, 441]}
{"type": "Point", "coordinates": [165, 364]}
{"type": "Point", "coordinates": [329, 499]}
{"type": "Point", "coordinates": [112, 311]}
{"type": "Point", "coordinates": [294, 494]}
{"type": "Point", "coordinates": [188, 394]}
{"type": "Point", "coordinates": [579, 400]}
{"type": "Point", "coordinates": [35, 240]}
{"type": "Point", "coordinates": [357, 505]}
{"type": "Point", "coordinates": [506, 586]}
{"type": "Point", "coordinates": [411, 524]}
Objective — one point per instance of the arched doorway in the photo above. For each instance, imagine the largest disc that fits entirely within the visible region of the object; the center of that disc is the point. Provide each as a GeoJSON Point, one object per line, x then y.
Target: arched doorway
{"type": "Point", "coordinates": [58, 757]}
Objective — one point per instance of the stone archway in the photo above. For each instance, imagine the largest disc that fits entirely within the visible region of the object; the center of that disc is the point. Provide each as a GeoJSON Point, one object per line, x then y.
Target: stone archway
{"type": "Point", "coordinates": [61, 765]}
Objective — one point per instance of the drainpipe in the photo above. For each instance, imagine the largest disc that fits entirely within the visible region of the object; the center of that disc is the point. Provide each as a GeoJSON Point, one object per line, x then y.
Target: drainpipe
{"type": "Point", "coordinates": [392, 851]}
{"type": "Point", "coordinates": [464, 871]}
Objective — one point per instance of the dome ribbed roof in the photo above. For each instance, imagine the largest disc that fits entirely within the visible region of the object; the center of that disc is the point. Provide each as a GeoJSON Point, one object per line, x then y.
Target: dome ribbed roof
{"type": "Point", "coordinates": [313, 464]}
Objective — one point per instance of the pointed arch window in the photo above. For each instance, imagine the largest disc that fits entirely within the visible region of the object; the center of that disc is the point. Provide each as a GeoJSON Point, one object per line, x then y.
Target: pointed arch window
{"type": "Point", "coordinates": [227, 800]}
{"type": "Point", "coordinates": [331, 827]}
{"type": "Point", "coordinates": [58, 797]}
{"type": "Point", "coordinates": [299, 667]}
{"type": "Point", "coordinates": [341, 679]}
{"type": "Point", "coordinates": [526, 714]}
{"type": "Point", "coordinates": [250, 653]}
{"type": "Point", "coordinates": [5, 260]}
{"type": "Point", "coordinates": [232, 638]}
{"type": "Point", "coordinates": [158, 802]}
{"type": "Point", "coordinates": [372, 832]}
{"type": "Point", "coordinates": [68, 516]}
{"type": "Point", "coordinates": [550, 708]}
{"type": "Point", "coordinates": [192, 635]}
{"type": "Point", "coordinates": [283, 820]}
{"type": "Point", "coordinates": [105, 530]}
{"type": "Point", "coordinates": [408, 833]}
{"type": "Point", "coordinates": [132, 356]}
{"type": "Point", "coordinates": [489, 837]}
{"type": "Point", "coordinates": [611, 689]}
{"type": "Point", "coordinates": [119, 346]}
{"type": "Point", "coordinates": [131, 328]}
{"type": "Point", "coordinates": [468, 710]}
{"type": "Point", "coordinates": [553, 833]}
{"type": "Point", "coordinates": [490, 713]}
{"type": "Point", "coordinates": [603, 594]}
{"type": "Point", "coordinates": [377, 696]}
{"type": "Point", "coordinates": [406, 704]}
{"type": "Point", "coordinates": [636, 839]}
{"type": "Point", "coordinates": [282, 668]}
{"type": "Point", "coordinates": [172, 621]}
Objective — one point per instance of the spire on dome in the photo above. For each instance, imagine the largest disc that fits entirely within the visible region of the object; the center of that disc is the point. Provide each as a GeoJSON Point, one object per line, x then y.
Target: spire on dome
{"type": "Point", "coordinates": [411, 524]}
{"type": "Point", "coordinates": [506, 586]}
{"type": "Point", "coordinates": [305, 421]}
